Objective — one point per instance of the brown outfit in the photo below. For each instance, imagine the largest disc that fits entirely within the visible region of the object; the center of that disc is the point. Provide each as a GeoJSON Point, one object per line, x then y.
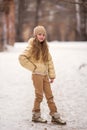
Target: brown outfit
{"type": "Point", "coordinates": [42, 85]}
{"type": "Point", "coordinates": [41, 72]}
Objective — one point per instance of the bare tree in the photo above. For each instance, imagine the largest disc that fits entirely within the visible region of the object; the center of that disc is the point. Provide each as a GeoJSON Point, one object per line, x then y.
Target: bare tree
{"type": "Point", "coordinates": [81, 17]}
{"type": "Point", "coordinates": [78, 17]}
{"type": "Point", "coordinates": [9, 22]}
{"type": "Point", "coordinates": [84, 19]}
{"type": "Point", "coordinates": [21, 10]}
{"type": "Point", "coordinates": [38, 2]}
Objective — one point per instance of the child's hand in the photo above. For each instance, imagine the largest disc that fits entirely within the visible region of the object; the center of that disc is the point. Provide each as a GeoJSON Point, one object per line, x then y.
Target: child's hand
{"type": "Point", "coordinates": [51, 80]}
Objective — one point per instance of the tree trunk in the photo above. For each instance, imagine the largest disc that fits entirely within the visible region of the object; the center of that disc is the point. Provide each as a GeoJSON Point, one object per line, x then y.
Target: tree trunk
{"type": "Point", "coordinates": [78, 17]}
{"type": "Point", "coordinates": [84, 21]}
{"type": "Point", "coordinates": [1, 26]}
{"type": "Point", "coordinates": [37, 11]}
{"type": "Point", "coordinates": [9, 22]}
{"type": "Point", "coordinates": [20, 20]}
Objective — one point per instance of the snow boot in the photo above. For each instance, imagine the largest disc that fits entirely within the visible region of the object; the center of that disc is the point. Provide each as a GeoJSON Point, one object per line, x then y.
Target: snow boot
{"type": "Point", "coordinates": [56, 119]}
{"type": "Point", "coordinates": [37, 118]}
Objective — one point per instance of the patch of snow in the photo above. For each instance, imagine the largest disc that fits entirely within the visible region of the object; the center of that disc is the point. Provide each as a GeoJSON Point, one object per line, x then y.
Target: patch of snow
{"type": "Point", "coordinates": [69, 88]}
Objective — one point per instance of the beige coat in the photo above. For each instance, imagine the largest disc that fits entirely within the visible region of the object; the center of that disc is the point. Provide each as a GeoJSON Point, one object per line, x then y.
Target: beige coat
{"type": "Point", "coordinates": [37, 67]}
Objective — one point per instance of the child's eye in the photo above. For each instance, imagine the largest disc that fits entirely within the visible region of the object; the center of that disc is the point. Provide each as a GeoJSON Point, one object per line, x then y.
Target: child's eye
{"type": "Point", "coordinates": [39, 34]}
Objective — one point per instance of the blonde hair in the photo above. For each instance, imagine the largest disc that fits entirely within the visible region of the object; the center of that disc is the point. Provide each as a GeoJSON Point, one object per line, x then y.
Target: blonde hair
{"type": "Point", "coordinates": [39, 48]}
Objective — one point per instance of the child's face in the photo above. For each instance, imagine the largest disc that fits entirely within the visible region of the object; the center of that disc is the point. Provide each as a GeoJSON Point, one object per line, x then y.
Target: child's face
{"type": "Point", "coordinates": [41, 37]}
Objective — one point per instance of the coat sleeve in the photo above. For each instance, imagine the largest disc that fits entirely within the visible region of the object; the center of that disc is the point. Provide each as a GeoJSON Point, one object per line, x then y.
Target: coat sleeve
{"type": "Point", "coordinates": [25, 61]}
{"type": "Point", "coordinates": [51, 70]}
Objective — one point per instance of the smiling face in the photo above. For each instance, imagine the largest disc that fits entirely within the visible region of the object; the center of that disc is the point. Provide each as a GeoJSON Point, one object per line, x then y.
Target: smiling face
{"type": "Point", "coordinates": [40, 33]}
{"type": "Point", "coordinates": [41, 37]}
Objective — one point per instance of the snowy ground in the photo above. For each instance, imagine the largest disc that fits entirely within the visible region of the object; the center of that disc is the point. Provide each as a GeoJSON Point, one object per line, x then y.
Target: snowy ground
{"type": "Point", "coordinates": [69, 89]}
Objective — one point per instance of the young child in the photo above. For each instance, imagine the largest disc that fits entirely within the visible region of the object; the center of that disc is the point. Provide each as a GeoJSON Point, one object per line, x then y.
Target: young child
{"type": "Point", "coordinates": [37, 59]}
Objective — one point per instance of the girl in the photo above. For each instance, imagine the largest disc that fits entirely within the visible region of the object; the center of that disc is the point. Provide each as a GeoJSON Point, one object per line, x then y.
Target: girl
{"type": "Point", "coordinates": [37, 59]}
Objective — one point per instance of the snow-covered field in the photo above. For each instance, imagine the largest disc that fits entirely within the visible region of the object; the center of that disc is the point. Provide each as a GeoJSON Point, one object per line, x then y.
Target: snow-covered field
{"type": "Point", "coordinates": [69, 89]}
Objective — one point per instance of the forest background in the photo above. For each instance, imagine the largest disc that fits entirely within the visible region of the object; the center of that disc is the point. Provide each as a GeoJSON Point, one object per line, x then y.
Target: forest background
{"type": "Point", "coordinates": [65, 20]}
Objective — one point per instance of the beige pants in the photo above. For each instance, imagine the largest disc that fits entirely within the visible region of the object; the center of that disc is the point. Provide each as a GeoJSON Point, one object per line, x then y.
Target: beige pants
{"type": "Point", "coordinates": [42, 85]}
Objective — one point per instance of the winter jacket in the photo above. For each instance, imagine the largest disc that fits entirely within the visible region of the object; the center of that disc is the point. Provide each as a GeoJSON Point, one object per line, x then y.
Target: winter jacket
{"type": "Point", "coordinates": [37, 67]}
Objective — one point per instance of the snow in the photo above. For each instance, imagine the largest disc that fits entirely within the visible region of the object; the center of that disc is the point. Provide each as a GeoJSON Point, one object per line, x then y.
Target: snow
{"type": "Point", "coordinates": [69, 88]}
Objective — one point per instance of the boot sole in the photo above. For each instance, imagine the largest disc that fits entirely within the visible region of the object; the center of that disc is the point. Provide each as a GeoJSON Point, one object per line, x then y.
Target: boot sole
{"type": "Point", "coordinates": [58, 123]}
{"type": "Point", "coordinates": [39, 121]}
